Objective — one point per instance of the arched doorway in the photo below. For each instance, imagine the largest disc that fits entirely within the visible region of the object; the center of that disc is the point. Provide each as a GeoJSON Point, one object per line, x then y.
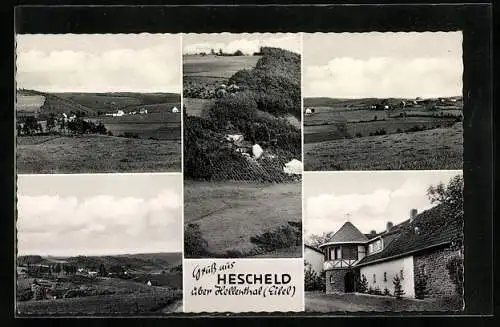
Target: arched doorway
{"type": "Point", "coordinates": [349, 282]}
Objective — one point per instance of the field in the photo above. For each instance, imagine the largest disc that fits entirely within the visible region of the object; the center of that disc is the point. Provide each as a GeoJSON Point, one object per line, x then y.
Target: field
{"type": "Point", "coordinates": [104, 102]}
{"type": "Point", "coordinates": [153, 302]}
{"type": "Point", "coordinates": [347, 134]}
{"type": "Point", "coordinates": [95, 154]}
{"type": "Point", "coordinates": [82, 295]}
{"type": "Point", "coordinates": [208, 72]}
{"type": "Point", "coordinates": [29, 103]}
{"type": "Point", "coordinates": [230, 213]}
{"type": "Point", "coordinates": [196, 107]}
{"type": "Point", "coordinates": [157, 125]}
{"type": "Point", "coordinates": [439, 148]}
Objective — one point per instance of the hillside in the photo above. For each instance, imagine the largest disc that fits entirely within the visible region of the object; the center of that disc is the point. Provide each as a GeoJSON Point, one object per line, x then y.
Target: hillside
{"type": "Point", "coordinates": [92, 104]}
{"type": "Point", "coordinates": [260, 111]}
{"type": "Point", "coordinates": [146, 261]}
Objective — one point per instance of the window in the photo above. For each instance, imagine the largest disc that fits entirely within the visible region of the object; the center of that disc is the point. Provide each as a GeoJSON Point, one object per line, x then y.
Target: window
{"type": "Point", "coordinates": [401, 274]}
{"type": "Point", "coordinates": [350, 252]}
{"type": "Point", "coordinates": [374, 278]}
{"type": "Point", "coordinates": [370, 248]}
{"type": "Point", "coordinates": [385, 277]}
{"type": "Point", "coordinates": [332, 281]}
{"type": "Point", "coordinates": [337, 253]}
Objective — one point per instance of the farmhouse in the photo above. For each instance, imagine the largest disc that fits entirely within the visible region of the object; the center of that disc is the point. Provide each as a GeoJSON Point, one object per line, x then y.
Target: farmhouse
{"type": "Point", "coordinates": [420, 247]}
{"type": "Point", "coordinates": [175, 110]}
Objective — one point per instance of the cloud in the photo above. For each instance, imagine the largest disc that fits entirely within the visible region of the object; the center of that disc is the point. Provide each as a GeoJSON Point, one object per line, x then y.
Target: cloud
{"type": "Point", "coordinates": [151, 69]}
{"type": "Point", "coordinates": [326, 212]}
{"type": "Point", "coordinates": [248, 47]}
{"type": "Point", "coordinates": [347, 77]}
{"type": "Point", "coordinates": [54, 224]}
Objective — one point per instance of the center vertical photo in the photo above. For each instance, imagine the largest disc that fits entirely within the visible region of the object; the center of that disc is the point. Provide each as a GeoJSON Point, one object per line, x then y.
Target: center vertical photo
{"type": "Point", "coordinates": [242, 145]}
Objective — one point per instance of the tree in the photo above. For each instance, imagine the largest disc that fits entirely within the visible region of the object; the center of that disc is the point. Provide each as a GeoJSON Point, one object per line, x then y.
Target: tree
{"type": "Point", "coordinates": [398, 288]}
{"type": "Point", "coordinates": [102, 270]}
{"type": "Point", "coordinates": [57, 268]}
{"type": "Point", "coordinates": [238, 53]}
{"type": "Point", "coordinates": [313, 281]}
{"type": "Point", "coordinates": [30, 125]}
{"type": "Point", "coordinates": [51, 122]}
{"type": "Point", "coordinates": [212, 51]}
{"type": "Point", "coordinates": [450, 195]}
{"type": "Point", "coordinates": [194, 243]}
{"type": "Point", "coordinates": [316, 240]}
{"type": "Point", "coordinates": [220, 52]}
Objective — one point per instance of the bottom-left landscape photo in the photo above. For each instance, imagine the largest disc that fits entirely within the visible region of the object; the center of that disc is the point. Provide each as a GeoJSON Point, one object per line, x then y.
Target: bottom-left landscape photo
{"type": "Point", "coordinates": [99, 245]}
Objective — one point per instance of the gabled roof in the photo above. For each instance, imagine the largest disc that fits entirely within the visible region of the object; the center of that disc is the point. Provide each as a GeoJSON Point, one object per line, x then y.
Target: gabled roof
{"type": "Point", "coordinates": [436, 226]}
{"type": "Point", "coordinates": [348, 233]}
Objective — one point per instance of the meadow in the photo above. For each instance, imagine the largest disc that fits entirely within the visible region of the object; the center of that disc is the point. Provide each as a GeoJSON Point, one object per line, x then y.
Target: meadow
{"type": "Point", "coordinates": [340, 128]}
{"type": "Point", "coordinates": [229, 213]}
{"type": "Point", "coordinates": [439, 148]}
{"type": "Point", "coordinates": [95, 154]}
{"type": "Point", "coordinates": [208, 72]}
{"type": "Point", "coordinates": [197, 107]}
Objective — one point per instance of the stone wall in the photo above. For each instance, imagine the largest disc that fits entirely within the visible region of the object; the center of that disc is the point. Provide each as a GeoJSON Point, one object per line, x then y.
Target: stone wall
{"type": "Point", "coordinates": [433, 264]}
{"type": "Point", "coordinates": [337, 277]}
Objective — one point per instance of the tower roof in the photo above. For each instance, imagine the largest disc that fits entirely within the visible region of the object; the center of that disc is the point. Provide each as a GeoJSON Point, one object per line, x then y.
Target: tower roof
{"type": "Point", "coordinates": [348, 233]}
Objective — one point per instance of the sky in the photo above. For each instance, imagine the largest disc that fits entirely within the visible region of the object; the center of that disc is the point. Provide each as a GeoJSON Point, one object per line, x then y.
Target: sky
{"type": "Point", "coordinates": [382, 65]}
{"type": "Point", "coordinates": [69, 215]}
{"type": "Point", "coordinates": [248, 43]}
{"type": "Point", "coordinates": [367, 199]}
{"type": "Point", "coordinates": [99, 62]}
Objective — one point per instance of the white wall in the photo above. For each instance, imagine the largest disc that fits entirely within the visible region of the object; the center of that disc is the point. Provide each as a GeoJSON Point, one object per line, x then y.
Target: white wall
{"type": "Point", "coordinates": [392, 268]}
{"type": "Point", "coordinates": [314, 258]}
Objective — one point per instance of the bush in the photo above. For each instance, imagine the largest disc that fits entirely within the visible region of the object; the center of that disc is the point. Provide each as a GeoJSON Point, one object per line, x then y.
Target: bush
{"type": "Point", "coordinates": [194, 243]}
{"type": "Point", "coordinates": [313, 281]}
{"type": "Point", "coordinates": [387, 292]}
{"type": "Point", "coordinates": [358, 134]}
{"type": "Point", "coordinates": [376, 291]}
{"type": "Point", "coordinates": [398, 288]}
{"type": "Point", "coordinates": [455, 267]}
{"type": "Point", "coordinates": [280, 238]}
{"type": "Point", "coordinates": [362, 284]}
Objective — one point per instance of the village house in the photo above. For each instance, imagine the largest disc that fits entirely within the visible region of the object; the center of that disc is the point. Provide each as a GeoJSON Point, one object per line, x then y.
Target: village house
{"type": "Point", "coordinates": [314, 257]}
{"type": "Point", "coordinates": [419, 246]}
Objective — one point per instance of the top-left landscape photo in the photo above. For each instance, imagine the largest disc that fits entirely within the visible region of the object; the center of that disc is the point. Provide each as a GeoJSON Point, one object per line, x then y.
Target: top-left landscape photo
{"type": "Point", "coordinates": [98, 103]}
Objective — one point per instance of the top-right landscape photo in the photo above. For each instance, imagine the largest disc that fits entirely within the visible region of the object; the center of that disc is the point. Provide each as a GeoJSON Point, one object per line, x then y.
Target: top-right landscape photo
{"type": "Point", "coordinates": [382, 101]}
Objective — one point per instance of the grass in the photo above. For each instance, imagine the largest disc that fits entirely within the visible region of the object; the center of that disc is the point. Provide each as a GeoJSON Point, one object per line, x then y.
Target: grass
{"type": "Point", "coordinates": [216, 66]}
{"type": "Point", "coordinates": [230, 213]}
{"type": "Point", "coordinates": [150, 302]}
{"type": "Point", "coordinates": [440, 148]}
{"type": "Point", "coordinates": [95, 154]}
{"type": "Point", "coordinates": [208, 72]}
{"type": "Point", "coordinates": [321, 302]}
{"type": "Point", "coordinates": [197, 107]}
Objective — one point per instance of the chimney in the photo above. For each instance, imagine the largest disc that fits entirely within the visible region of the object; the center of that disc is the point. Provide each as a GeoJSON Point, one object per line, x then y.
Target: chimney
{"type": "Point", "coordinates": [389, 226]}
{"type": "Point", "coordinates": [373, 232]}
{"type": "Point", "coordinates": [413, 214]}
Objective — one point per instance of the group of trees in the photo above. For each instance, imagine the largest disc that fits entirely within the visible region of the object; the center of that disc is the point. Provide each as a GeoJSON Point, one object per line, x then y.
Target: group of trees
{"type": "Point", "coordinates": [312, 280]}
{"type": "Point", "coordinates": [77, 125]}
{"type": "Point", "coordinates": [222, 53]}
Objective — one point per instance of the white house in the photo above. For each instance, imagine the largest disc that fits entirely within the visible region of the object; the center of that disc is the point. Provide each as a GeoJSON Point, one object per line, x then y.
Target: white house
{"type": "Point", "coordinates": [418, 247]}
{"type": "Point", "coordinates": [175, 110]}
{"type": "Point", "coordinates": [308, 111]}
{"type": "Point", "coordinates": [314, 257]}
{"type": "Point", "coordinates": [143, 111]}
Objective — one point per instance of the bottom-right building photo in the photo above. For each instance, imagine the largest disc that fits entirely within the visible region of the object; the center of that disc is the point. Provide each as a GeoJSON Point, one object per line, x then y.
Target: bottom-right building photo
{"type": "Point", "coordinates": [383, 241]}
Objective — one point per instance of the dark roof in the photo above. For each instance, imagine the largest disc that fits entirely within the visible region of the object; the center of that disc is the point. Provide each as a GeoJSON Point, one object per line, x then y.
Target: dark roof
{"type": "Point", "coordinates": [348, 233]}
{"type": "Point", "coordinates": [313, 248]}
{"type": "Point", "coordinates": [436, 226]}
